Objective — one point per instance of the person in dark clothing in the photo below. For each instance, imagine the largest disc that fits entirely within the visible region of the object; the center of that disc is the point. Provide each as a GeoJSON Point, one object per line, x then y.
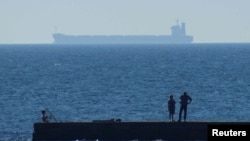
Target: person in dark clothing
{"type": "Point", "coordinates": [185, 99]}
{"type": "Point", "coordinates": [44, 117]}
{"type": "Point", "coordinates": [171, 108]}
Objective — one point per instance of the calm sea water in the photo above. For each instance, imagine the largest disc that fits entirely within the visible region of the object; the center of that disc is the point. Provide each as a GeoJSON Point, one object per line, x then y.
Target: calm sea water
{"type": "Point", "coordinates": [130, 82]}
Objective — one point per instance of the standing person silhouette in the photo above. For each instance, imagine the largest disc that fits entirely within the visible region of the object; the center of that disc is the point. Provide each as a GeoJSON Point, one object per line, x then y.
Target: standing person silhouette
{"type": "Point", "coordinates": [185, 99]}
{"type": "Point", "coordinates": [171, 108]}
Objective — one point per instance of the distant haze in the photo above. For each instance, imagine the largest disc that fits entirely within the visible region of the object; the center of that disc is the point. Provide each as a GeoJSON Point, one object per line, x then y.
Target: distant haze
{"type": "Point", "coordinates": [208, 21]}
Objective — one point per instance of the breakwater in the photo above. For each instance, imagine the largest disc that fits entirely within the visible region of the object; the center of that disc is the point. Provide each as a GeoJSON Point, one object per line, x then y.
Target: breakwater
{"type": "Point", "coordinates": [117, 130]}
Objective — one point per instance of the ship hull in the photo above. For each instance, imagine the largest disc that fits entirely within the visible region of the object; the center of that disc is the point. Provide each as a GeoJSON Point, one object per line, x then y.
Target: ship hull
{"type": "Point", "coordinates": [119, 39]}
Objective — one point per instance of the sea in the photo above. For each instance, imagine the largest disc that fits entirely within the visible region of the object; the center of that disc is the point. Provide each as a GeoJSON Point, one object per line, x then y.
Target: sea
{"type": "Point", "coordinates": [130, 82]}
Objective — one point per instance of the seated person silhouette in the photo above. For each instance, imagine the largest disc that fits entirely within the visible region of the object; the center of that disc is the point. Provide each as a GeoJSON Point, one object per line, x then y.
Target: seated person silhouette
{"type": "Point", "coordinates": [44, 117]}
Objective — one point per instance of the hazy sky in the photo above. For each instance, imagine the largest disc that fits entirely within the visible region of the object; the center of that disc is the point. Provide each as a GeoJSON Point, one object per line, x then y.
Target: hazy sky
{"type": "Point", "coordinates": [34, 21]}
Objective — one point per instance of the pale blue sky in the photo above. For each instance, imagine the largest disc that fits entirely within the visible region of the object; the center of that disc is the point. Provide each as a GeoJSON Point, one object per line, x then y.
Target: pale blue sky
{"type": "Point", "coordinates": [34, 21]}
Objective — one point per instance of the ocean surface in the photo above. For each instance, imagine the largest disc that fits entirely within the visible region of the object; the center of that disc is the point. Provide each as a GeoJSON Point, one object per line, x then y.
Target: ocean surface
{"type": "Point", "coordinates": [130, 82]}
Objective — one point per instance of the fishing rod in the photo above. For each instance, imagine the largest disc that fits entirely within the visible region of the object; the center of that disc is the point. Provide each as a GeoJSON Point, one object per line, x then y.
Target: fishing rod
{"type": "Point", "coordinates": [51, 115]}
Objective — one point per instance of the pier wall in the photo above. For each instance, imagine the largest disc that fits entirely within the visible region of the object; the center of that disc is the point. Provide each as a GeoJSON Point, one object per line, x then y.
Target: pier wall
{"type": "Point", "coordinates": [109, 130]}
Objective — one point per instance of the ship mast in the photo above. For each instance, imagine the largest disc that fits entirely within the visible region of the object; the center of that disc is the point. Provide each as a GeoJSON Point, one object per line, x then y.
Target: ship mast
{"type": "Point", "coordinates": [55, 29]}
{"type": "Point", "coordinates": [177, 21]}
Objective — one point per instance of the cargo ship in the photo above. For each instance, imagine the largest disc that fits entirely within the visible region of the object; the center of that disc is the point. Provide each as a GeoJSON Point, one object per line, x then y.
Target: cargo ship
{"type": "Point", "coordinates": [177, 36]}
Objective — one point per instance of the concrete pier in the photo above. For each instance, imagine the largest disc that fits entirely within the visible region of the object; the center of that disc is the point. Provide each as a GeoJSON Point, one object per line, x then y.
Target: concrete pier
{"type": "Point", "coordinates": [122, 130]}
